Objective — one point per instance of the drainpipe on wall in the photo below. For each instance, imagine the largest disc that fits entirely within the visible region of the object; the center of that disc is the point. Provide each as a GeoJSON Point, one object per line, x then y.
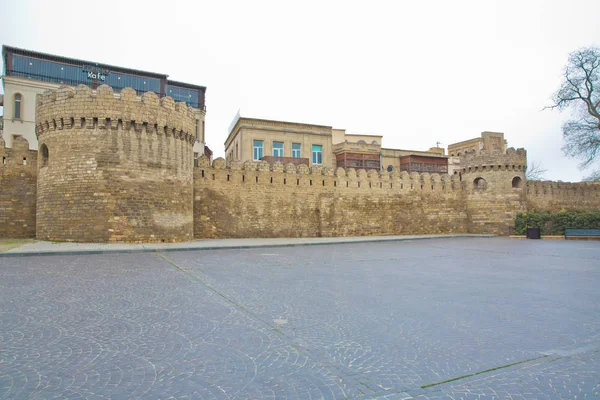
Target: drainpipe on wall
{"type": "Point", "coordinates": [380, 161]}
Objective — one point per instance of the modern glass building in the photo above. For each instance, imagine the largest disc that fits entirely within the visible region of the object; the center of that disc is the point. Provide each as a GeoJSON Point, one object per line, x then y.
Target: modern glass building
{"type": "Point", "coordinates": [27, 73]}
{"type": "Point", "coordinates": [70, 71]}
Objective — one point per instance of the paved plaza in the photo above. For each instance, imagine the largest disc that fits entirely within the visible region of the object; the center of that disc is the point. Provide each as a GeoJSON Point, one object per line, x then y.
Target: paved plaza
{"type": "Point", "coordinates": [446, 318]}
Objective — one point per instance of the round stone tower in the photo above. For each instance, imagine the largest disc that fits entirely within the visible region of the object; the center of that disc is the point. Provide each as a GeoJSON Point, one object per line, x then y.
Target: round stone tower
{"type": "Point", "coordinates": [113, 167]}
{"type": "Point", "coordinates": [495, 189]}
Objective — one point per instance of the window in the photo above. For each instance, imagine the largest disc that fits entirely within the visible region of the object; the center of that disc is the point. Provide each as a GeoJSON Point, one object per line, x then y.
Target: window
{"type": "Point", "coordinates": [44, 151]}
{"type": "Point", "coordinates": [390, 168]}
{"type": "Point", "coordinates": [317, 154]}
{"type": "Point", "coordinates": [480, 184]}
{"type": "Point", "coordinates": [296, 150]}
{"type": "Point", "coordinates": [361, 142]}
{"type": "Point", "coordinates": [189, 96]}
{"type": "Point", "coordinates": [197, 130]}
{"type": "Point", "coordinates": [277, 149]}
{"type": "Point", "coordinates": [203, 133]}
{"type": "Point", "coordinates": [17, 108]}
{"type": "Point", "coordinates": [237, 153]}
{"type": "Point", "coordinates": [374, 142]}
{"type": "Point", "coordinates": [517, 182]}
{"type": "Point", "coordinates": [258, 149]}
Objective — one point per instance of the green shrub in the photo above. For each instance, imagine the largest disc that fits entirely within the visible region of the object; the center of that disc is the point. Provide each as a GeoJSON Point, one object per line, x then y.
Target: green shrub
{"type": "Point", "coordinates": [555, 224]}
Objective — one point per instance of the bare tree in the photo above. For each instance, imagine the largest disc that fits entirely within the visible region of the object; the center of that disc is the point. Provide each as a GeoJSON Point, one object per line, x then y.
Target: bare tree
{"type": "Point", "coordinates": [580, 92]}
{"type": "Point", "coordinates": [594, 177]}
{"type": "Point", "coordinates": [535, 171]}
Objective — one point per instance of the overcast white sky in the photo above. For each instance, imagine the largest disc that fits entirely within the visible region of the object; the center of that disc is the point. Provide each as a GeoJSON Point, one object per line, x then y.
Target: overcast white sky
{"type": "Point", "coordinates": [416, 72]}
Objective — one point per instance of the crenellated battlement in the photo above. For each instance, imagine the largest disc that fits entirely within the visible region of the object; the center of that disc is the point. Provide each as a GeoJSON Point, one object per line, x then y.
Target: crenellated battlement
{"type": "Point", "coordinates": [567, 189]}
{"type": "Point", "coordinates": [511, 160]}
{"type": "Point", "coordinates": [18, 177]}
{"type": "Point", "coordinates": [261, 172]}
{"type": "Point", "coordinates": [83, 108]}
{"type": "Point", "coordinates": [19, 154]}
{"type": "Point", "coordinates": [119, 163]}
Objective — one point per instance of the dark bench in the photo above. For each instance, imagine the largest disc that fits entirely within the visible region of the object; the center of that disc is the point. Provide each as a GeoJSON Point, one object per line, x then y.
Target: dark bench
{"type": "Point", "coordinates": [572, 233]}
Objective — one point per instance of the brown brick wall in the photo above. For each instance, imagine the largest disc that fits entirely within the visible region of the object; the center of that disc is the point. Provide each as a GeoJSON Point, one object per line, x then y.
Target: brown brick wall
{"type": "Point", "coordinates": [17, 190]}
{"type": "Point", "coordinates": [118, 169]}
{"type": "Point", "coordinates": [556, 196]}
{"type": "Point", "coordinates": [256, 201]}
{"type": "Point", "coordinates": [487, 179]}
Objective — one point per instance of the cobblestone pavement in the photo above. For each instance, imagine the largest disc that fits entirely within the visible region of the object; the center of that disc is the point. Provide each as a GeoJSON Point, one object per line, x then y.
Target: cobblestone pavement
{"type": "Point", "coordinates": [430, 319]}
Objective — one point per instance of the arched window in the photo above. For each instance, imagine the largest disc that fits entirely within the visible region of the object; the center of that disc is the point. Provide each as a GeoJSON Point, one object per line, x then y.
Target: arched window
{"type": "Point", "coordinates": [374, 142]}
{"type": "Point", "coordinates": [517, 182]}
{"type": "Point", "coordinates": [361, 142]}
{"type": "Point", "coordinates": [390, 168]}
{"type": "Point", "coordinates": [480, 184]}
{"type": "Point", "coordinates": [44, 153]}
{"type": "Point", "coordinates": [17, 106]}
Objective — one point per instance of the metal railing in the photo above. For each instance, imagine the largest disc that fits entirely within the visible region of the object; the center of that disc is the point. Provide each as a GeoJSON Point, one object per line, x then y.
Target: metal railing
{"type": "Point", "coordinates": [87, 82]}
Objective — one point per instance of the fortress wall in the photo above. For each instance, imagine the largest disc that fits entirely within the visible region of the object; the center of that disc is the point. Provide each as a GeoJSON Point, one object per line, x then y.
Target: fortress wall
{"type": "Point", "coordinates": [255, 201]}
{"type": "Point", "coordinates": [493, 210]}
{"type": "Point", "coordinates": [556, 196]}
{"type": "Point", "coordinates": [494, 186]}
{"type": "Point", "coordinates": [18, 176]}
{"type": "Point", "coordinates": [119, 168]}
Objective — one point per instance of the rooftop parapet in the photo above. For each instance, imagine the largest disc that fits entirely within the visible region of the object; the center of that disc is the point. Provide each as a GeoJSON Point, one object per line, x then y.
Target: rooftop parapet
{"type": "Point", "coordinates": [350, 146]}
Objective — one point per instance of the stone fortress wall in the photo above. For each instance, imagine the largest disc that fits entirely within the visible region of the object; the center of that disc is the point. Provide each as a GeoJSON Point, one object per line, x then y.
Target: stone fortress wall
{"type": "Point", "coordinates": [119, 168]}
{"type": "Point", "coordinates": [113, 167]}
{"type": "Point", "coordinates": [256, 200]}
{"type": "Point", "coordinates": [18, 178]}
{"type": "Point", "coordinates": [557, 196]}
{"type": "Point", "coordinates": [494, 188]}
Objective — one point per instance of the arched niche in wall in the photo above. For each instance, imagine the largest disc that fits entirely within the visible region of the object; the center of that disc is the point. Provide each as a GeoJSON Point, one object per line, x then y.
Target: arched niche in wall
{"type": "Point", "coordinates": [44, 153]}
{"type": "Point", "coordinates": [517, 182]}
{"type": "Point", "coordinates": [479, 184]}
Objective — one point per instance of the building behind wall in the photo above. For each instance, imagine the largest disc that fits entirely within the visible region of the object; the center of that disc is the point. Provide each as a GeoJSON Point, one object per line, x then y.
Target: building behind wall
{"type": "Point", "coordinates": [487, 143]}
{"type": "Point", "coordinates": [28, 73]}
{"type": "Point", "coordinates": [252, 139]}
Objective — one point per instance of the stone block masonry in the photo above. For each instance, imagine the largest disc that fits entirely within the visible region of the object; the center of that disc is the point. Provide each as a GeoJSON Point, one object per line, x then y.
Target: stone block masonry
{"type": "Point", "coordinates": [257, 200]}
{"type": "Point", "coordinates": [119, 168]}
{"type": "Point", "coordinates": [114, 168]}
{"type": "Point", "coordinates": [18, 177]}
{"type": "Point", "coordinates": [556, 196]}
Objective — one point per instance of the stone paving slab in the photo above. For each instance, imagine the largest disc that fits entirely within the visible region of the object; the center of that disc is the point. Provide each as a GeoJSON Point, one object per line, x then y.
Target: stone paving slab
{"type": "Point", "coordinates": [469, 318]}
{"type": "Point", "coordinates": [30, 248]}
